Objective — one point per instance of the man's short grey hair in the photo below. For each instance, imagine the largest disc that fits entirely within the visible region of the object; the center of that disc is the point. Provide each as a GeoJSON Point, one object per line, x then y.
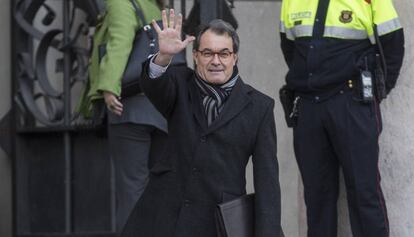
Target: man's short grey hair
{"type": "Point", "coordinates": [218, 27]}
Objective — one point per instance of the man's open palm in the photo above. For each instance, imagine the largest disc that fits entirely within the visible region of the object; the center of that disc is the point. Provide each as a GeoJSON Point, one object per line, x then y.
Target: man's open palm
{"type": "Point", "coordinates": [169, 38]}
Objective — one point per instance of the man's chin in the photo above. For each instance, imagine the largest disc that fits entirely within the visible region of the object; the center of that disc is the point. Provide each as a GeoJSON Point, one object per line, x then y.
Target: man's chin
{"type": "Point", "coordinates": [216, 80]}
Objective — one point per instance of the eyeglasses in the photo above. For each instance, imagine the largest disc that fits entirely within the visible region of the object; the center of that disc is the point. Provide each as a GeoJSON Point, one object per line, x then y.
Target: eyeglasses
{"type": "Point", "coordinates": [209, 54]}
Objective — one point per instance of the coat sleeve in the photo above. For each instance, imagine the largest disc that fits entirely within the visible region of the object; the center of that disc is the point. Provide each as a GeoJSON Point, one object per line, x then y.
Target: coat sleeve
{"type": "Point", "coordinates": [288, 48]}
{"type": "Point", "coordinates": [161, 91]}
{"type": "Point", "coordinates": [393, 45]}
{"type": "Point", "coordinates": [266, 179]}
{"type": "Point", "coordinates": [287, 45]}
{"type": "Point", "coordinates": [391, 36]}
{"type": "Point", "coordinates": [122, 25]}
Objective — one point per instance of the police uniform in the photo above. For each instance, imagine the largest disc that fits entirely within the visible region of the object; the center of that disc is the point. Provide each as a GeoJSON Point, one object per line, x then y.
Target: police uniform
{"type": "Point", "coordinates": [326, 45]}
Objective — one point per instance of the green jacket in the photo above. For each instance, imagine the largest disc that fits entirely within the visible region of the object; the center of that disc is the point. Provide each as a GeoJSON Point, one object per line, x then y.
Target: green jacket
{"type": "Point", "coordinates": [117, 30]}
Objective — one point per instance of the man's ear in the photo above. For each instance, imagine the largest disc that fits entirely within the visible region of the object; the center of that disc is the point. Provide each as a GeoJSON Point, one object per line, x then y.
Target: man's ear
{"type": "Point", "coordinates": [195, 57]}
{"type": "Point", "coordinates": [236, 59]}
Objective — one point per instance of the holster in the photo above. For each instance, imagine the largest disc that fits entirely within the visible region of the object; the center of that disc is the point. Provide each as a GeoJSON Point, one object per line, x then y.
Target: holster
{"type": "Point", "coordinates": [287, 98]}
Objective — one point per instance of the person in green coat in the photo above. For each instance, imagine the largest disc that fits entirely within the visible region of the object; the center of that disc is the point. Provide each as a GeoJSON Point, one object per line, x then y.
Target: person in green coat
{"type": "Point", "coordinates": [135, 127]}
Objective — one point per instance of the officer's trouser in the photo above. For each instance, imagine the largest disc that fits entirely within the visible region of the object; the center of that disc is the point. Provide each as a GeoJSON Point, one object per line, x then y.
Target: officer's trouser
{"type": "Point", "coordinates": [341, 132]}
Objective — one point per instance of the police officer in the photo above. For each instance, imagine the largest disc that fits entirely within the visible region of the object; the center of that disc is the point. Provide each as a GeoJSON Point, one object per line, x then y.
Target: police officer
{"type": "Point", "coordinates": [331, 51]}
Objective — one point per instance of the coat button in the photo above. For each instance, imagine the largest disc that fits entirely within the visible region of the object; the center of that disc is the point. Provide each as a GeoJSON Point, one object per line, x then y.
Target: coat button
{"type": "Point", "coordinates": [187, 202]}
{"type": "Point", "coordinates": [195, 170]}
{"type": "Point", "coordinates": [203, 139]}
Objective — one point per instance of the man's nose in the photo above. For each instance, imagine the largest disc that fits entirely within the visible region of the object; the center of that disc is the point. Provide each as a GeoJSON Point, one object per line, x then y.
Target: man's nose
{"type": "Point", "coordinates": [216, 60]}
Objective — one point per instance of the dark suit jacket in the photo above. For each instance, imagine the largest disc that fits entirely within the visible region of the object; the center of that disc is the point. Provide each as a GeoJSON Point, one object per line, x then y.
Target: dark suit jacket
{"type": "Point", "coordinates": [204, 166]}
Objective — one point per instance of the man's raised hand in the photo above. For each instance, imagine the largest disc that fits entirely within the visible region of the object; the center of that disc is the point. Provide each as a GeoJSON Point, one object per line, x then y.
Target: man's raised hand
{"type": "Point", "coordinates": [169, 38]}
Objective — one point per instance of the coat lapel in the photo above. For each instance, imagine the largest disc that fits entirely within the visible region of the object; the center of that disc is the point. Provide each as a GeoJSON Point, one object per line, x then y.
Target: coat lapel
{"type": "Point", "coordinates": [197, 106]}
{"type": "Point", "coordinates": [238, 99]}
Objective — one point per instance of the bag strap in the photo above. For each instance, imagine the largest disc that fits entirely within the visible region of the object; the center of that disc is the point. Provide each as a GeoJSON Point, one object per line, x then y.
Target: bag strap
{"type": "Point", "coordinates": [138, 12]}
{"type": "Point", "coordinates": [147, 28]}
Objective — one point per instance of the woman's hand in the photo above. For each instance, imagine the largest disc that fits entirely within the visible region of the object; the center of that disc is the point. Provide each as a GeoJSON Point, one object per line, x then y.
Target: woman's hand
{"type": "Point", "coordinates": [169, 38]}
{"type": "Point", "coordinates": [112, 103]}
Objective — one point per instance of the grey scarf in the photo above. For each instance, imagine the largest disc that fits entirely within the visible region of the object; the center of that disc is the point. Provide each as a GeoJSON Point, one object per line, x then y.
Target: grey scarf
{"type": "Point", "coordinates": [215, 96]}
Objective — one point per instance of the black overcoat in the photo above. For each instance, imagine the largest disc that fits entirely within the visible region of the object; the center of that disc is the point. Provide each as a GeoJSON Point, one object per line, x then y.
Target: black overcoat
{"type": "Point", "coordinates": [205, 165]}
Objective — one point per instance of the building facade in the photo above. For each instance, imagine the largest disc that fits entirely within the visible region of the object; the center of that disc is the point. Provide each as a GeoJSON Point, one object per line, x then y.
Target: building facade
{"type": "Point", "coordinates": [262, 65]}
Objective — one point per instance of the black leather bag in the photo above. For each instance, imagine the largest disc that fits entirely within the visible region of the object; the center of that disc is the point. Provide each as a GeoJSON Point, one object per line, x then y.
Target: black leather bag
{"type": "Point", "coordinates": [145, 44]}
{"type": "Point", "coordinates": [236, 218]}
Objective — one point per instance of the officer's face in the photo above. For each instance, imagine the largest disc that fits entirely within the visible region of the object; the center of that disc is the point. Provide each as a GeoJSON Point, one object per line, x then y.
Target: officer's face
{"type": "Point", "coordinates": [214, 58]}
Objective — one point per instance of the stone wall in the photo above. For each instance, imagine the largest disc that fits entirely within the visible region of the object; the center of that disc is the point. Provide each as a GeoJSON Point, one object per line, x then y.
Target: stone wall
{"type": "Point", "coordinates": [5, 91]}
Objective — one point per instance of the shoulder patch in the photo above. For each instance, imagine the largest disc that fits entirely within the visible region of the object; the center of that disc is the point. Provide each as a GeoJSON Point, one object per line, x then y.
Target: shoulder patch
{"type": "Point", "coordinates": [346, 16]}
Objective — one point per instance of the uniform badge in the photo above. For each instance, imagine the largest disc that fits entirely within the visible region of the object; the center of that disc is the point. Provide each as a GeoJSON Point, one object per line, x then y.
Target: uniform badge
{"type": "Point", "coordinates": [346, 16]}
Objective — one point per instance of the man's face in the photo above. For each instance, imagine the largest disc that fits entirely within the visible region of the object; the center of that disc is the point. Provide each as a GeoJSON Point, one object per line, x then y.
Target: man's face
{"type": "Point", "coordinates": [215, 58]}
